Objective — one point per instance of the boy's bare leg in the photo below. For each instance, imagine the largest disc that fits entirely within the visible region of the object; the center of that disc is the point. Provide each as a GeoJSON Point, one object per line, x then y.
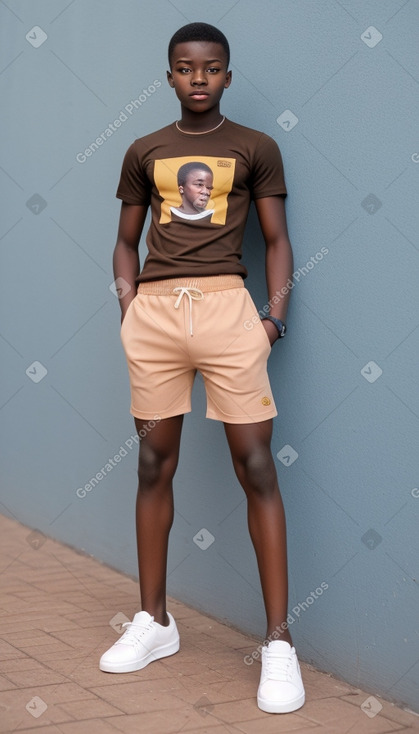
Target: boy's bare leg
{"type": "Point", "coordinates": [252, 459]}
{"type": "Point", "coordinates": [158, 458]}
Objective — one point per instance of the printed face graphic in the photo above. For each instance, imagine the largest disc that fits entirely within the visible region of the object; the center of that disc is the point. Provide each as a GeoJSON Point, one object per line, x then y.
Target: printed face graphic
{"type": "Point", "coordinates": [196, 191]}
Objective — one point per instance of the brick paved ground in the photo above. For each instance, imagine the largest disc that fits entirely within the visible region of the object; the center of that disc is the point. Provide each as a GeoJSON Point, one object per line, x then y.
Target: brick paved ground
{"type": "Point", "coordinates": [56, 606]}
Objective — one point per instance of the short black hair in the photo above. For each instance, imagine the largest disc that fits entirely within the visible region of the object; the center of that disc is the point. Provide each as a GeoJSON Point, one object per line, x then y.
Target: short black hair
{"type": "Point", "coordinates": [198, 32]}
{"type": "Point", "coordinates": [187, 168]}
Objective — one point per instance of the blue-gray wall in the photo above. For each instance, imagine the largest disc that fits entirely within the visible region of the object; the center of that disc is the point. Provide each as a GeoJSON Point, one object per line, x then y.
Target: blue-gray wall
{"type": "Point", "coordinates": [335, 83]}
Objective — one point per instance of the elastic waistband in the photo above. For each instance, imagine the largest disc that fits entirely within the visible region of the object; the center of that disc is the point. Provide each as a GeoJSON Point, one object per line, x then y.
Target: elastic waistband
{"type": "Point", "coordinates": [205, 284]}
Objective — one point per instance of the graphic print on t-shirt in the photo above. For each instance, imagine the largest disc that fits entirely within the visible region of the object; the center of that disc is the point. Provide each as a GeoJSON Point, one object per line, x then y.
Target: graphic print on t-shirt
{"type": "Point", "coordinates": [194, 188]}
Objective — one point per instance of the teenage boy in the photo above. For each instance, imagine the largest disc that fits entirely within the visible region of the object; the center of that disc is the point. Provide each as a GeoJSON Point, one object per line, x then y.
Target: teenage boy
{"type": "Point", "coordinates": [186, 310]}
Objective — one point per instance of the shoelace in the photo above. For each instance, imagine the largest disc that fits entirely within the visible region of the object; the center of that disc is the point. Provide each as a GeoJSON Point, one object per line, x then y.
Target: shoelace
{"type": "Point", "coordinates": [132, 633]}
{"type": "Point", "coordinates": [194, 294]}
{"type": "Point", "coordinates": [279, 667]}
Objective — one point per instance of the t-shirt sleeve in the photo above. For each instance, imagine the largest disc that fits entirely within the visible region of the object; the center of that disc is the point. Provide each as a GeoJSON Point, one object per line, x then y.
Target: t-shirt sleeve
{"type": "Point", "coordinates": [268, 170]}
{"type": "Point", "coordinates": [134, 186]}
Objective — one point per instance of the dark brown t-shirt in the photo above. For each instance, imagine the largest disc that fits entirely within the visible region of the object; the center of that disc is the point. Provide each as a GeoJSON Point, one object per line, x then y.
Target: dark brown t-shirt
{"type": "Point", "coordinates": [199, 188]}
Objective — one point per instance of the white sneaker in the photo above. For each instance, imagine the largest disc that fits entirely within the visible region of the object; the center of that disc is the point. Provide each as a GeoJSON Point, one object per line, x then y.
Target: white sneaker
{"type": "Point", "coordinates": [143, 642]}
{"type": "Point", "coordinates": [281, 688]}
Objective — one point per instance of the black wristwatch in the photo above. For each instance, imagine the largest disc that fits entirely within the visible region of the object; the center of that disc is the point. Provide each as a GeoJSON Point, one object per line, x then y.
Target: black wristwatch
{"type": "Point", "coordinates": [282, 329]}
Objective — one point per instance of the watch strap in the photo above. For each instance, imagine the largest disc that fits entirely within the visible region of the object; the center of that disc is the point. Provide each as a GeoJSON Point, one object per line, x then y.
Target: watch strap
{"type": "Point", "coordinates": [281, 328]}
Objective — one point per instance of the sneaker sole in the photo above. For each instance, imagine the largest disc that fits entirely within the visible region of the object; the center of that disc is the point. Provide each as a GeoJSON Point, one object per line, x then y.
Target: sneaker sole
{"type": "Point", "coordinates": [163, 651]}
{"type": "Point", "coordinates": [273, 707]}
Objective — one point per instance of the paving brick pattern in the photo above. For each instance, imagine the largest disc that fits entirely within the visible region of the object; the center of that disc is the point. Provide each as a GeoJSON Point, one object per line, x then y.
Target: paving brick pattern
{"type": "Point", "coordinates": [56, 606]}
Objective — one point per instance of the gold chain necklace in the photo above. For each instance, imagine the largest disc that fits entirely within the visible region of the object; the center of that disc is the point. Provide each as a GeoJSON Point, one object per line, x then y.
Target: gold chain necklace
{"type": "Point", "coordinates": [204, 132]}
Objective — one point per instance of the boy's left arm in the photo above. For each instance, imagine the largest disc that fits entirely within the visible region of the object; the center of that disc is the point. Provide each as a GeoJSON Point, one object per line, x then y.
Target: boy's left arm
{"type": "Point", "coordinates": [279, 258]}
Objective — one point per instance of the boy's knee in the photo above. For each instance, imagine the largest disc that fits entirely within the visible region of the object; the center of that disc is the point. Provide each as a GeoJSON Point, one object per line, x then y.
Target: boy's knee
{"type": "Point", "coordinates": [259, 470]}
{"type": "Point", "coordinates": [154, 466]}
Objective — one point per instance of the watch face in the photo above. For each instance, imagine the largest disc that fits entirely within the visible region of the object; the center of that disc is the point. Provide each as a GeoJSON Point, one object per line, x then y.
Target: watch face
{"type": "Point", "coordinates": [281, 327]}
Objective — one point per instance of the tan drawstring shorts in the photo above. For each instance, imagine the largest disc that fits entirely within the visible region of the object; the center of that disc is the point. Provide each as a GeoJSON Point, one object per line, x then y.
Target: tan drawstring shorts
{"type": "Point", "coordinates": [177, 326]}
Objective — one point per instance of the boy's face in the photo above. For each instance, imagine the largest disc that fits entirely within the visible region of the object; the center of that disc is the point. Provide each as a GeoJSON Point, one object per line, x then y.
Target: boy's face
{"type": "Point", "coordinates": [196, 191]}
{"type": "Point", "coordinates": [199, 74]}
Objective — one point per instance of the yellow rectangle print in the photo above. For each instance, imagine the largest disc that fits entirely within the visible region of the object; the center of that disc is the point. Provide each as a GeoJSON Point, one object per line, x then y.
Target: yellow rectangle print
{"type": "Point", "coordinates": [194, 188]}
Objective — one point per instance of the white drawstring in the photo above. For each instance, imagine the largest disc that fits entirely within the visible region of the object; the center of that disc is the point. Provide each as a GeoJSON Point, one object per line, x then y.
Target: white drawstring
{"type": "Point", "coordinates": [194, 294]}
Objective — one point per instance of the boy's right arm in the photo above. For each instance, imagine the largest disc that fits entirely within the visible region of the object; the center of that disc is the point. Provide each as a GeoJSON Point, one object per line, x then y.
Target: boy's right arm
{"type": "Point", "coordinates": [126, 261]}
